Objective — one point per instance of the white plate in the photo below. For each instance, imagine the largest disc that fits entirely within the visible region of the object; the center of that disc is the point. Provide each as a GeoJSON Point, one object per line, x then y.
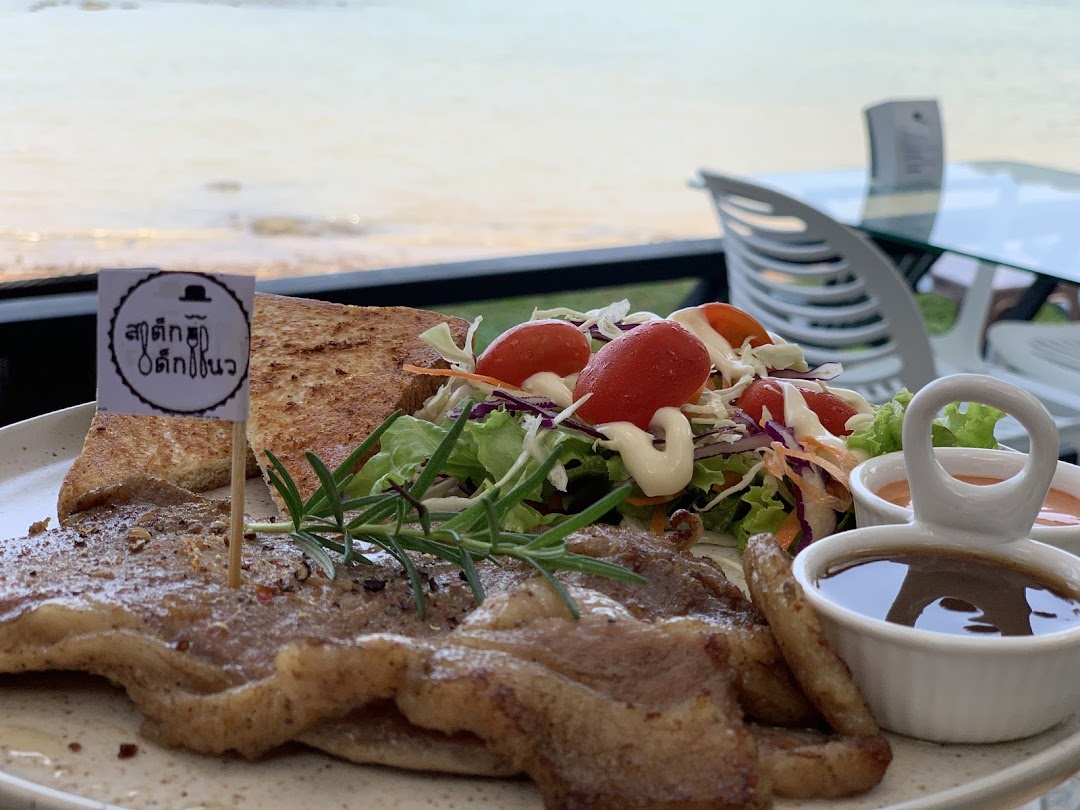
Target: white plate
{"type": "Point", "coordinates": [44, 714]}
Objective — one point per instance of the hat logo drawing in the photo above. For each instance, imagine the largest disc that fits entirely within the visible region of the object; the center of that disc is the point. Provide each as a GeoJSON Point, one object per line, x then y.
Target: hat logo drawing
{"type": "Point", "coordinates": [196, 293]}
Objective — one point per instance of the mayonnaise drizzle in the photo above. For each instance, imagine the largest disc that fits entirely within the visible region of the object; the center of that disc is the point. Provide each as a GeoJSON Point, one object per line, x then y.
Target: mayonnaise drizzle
{"type": "Point", "coordinates": [852, 398]}
{"type": "Point", "coordinates": [551, 385]}
{"type": "Point", "coordinates": [803, 421]}
{"type": "Point", "coordinates": [657, 472]}
{"type": "Point", "coordinates": [724, 357]}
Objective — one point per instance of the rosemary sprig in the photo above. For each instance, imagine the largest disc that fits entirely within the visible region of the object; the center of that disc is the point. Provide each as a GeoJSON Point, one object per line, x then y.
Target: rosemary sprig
{"type": "Point", "coordinates": [397, 522]}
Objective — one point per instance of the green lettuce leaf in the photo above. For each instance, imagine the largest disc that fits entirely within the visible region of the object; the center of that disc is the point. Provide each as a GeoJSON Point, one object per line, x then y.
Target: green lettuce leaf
{"type": "Point", "coordinates": [974, 426]}
{"type": "Point", "coordinates": [971, 427]}
{"type": "Point", "coordinates": [711, 472]}
{"type": "Point", "coordinates": [883, 434]}
{"type": "Point", "coordinates": [485, 453]}
{"type": "Point", "coordinates": [767, 511]}
{"type": "Point", "coordinates": [407, 444]}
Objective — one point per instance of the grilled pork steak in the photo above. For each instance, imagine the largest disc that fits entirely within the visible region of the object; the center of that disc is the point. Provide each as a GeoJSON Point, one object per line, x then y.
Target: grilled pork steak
{"type": "Point", "coordinates": [639, 703]}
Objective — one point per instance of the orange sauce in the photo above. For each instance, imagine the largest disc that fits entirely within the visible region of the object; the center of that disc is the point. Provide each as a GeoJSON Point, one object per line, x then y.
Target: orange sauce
{"type": "Point", "coordinates": [1059, 508]}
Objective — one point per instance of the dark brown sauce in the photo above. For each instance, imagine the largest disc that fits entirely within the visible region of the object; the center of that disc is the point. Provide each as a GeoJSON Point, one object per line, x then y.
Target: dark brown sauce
{"type": "Point", "coordinates": [956, 592]}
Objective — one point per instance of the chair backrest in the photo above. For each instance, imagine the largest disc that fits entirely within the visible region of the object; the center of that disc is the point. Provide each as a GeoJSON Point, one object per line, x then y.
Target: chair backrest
{"type": "Point", "coordinates": [815, 282]}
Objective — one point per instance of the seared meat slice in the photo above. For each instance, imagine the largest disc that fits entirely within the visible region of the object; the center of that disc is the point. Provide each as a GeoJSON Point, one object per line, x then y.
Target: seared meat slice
{"type": "Point", "coordinates": [660, 730]}
{"type": "Point", "coordinates": [136, 592]}
{"type": "Point", "coordinates": [823, 676]}
{"type": "Point", "coordinates": [160, 572]}
{"type": "Point", "coordinates": [381, 735]}
{"type": "Point", "coordinates": [618, 714]}
{"type": "Point", "coordinates": [638, 703]}
{"type": "Point", "coordinates": [801, 765]}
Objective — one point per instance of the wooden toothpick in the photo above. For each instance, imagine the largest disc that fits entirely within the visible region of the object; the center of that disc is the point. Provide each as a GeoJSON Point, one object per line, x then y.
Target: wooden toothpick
{"type": "Point", "coordinates": [236, 522]}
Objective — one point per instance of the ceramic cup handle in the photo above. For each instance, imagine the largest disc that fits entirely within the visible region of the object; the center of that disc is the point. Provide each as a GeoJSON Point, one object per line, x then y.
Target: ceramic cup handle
{"type": "Point", "coordinates": [997, 513]}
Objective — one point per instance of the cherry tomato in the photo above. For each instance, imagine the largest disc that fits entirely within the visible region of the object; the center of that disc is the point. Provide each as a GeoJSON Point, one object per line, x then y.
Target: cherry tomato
{"type": "Point", "coordinates": [829, 408]}
{"type": "Point", "coordinates": [735, 326]}
{"type": "Point", "coordinates": [534, 346]}
{"type": "Point", "coordinates": [654, 365]}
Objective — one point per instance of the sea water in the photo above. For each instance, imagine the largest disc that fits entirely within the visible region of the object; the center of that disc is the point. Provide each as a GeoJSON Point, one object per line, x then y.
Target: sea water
{"type": "Point", "coordinates": [300, 136]}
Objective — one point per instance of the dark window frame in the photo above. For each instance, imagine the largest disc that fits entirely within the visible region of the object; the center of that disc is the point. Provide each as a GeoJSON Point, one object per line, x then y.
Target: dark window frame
{"type": "Point", "coordinates": [47, 326]}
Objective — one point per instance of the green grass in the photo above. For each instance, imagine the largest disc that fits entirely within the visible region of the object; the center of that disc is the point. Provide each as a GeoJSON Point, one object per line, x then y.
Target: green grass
{"type": "Point", "coordinates": [500, 314]}
{"type": "Point", "coordinates": [940, 313]}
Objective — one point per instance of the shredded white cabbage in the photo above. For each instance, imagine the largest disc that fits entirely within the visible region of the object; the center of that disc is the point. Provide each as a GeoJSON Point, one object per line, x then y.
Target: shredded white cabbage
{"type": "Point", "coordinates": [604, 319]}
{"type": "Point", "coordinates": [439, 338]}
{"type": "Point", "coordinates": [568, 411]}
{"type": "Point", "coordinates": [539, 449]}
{"type": "Point", "coordinates": [449, 395]}
{"type": "Point", "coordinates": [711, 409]}
{"type": "Point", "coordinates": [780, 356]}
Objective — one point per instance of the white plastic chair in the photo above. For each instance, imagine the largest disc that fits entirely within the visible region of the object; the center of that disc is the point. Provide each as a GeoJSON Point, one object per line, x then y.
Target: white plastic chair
{"type": "Point", "coordinates": [813, 281]}
{"type": "Point", "coordinates": [1047, 353]}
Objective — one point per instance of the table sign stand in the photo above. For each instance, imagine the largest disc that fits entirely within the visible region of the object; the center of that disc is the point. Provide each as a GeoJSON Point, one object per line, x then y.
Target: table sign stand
{"type": "Point", "coordinates": [179, 344]}
{"type": "Point", "coordinates": [238, 479]}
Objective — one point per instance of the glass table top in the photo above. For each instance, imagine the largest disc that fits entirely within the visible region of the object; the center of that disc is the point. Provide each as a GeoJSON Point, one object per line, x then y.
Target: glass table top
{"type": "Point", "coordinates": [1014, 214]}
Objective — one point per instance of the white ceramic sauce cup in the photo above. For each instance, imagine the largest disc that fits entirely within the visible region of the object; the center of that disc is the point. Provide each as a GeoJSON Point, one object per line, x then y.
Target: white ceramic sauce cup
{"type": "Point", "coordinates": [953, 688]}
{"type": "Point", "coordinates": [872, 510]}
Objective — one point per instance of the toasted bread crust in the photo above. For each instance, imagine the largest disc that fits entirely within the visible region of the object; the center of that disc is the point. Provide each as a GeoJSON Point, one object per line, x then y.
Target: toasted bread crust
{"type": "Point", "coordinates": [324, 376]}
{"type": "Point", "coordinates": [191, 453]}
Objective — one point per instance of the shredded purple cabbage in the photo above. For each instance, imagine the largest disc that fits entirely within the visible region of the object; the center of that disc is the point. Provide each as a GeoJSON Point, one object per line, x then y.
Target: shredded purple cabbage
{"type": "Point", "coordinates": [597, 335]}
{"type": "Point", "coordinates": [743, 418]}
{"type": "Point", "coordinates": [548, 411]}
{"type": "Point", "coordinates": [811, 472]}
{"type": "Point", "coordinates": [743, 445]}
{"type": "Point", "coordinates": [480, 410]}
{"type": "Point", "coordinates": [826, 371]}
{"type": "Point", "coordinates": [508, 402]}
{"type": "Point", "coordinates": [800, 512]}
{"type": "Point", "coordinates": [828, 524]}
{"type": "Point", "coordinates": [786, 436]}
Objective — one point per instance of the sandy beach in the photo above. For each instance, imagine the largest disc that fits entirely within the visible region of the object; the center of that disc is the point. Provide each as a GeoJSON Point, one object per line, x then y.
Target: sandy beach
{"type": "Point", "coordinates": [308, 136]}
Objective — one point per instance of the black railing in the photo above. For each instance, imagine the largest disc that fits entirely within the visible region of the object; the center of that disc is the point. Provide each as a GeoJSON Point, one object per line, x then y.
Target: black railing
{"type": "Point", "coordinates": [47, 327]}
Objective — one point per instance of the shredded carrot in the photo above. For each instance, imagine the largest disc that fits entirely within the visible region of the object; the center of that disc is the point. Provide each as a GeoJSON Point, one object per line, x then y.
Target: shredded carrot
{"type": "Point", "coordinates": [659, 518]}
{"type": "Point", "coordinates": [810, 491]}
{"type": "Point", "coordinates": [649, 501]}
{"type": "Point", "coordinates": [826, 465]}
{"type": "Point", "coordinates": [453, 372]}
{"type": "Point", "coordinates": [788, 531]}
{"type": "Point", "coordinates": [774, 464]}
{"type": "Point", "coordinates": [844, 459]}
{"type": "Point", "coordinates": [825, 499]}
{"type": "Point", "coordinates": [836, 489]}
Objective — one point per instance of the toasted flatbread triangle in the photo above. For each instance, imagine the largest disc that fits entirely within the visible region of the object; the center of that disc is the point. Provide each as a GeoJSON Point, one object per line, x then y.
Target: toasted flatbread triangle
{"type": "Point", "coordinates": [323, 376]}
{"type": "Point", "coordinates": [191, 453]}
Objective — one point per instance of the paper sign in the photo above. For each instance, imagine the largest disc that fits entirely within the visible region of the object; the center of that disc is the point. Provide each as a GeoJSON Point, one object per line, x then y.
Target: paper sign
{"type": "Point", "coordinates": [906, 144]}
{"type": "Point", "coordinates": [174, 343]}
